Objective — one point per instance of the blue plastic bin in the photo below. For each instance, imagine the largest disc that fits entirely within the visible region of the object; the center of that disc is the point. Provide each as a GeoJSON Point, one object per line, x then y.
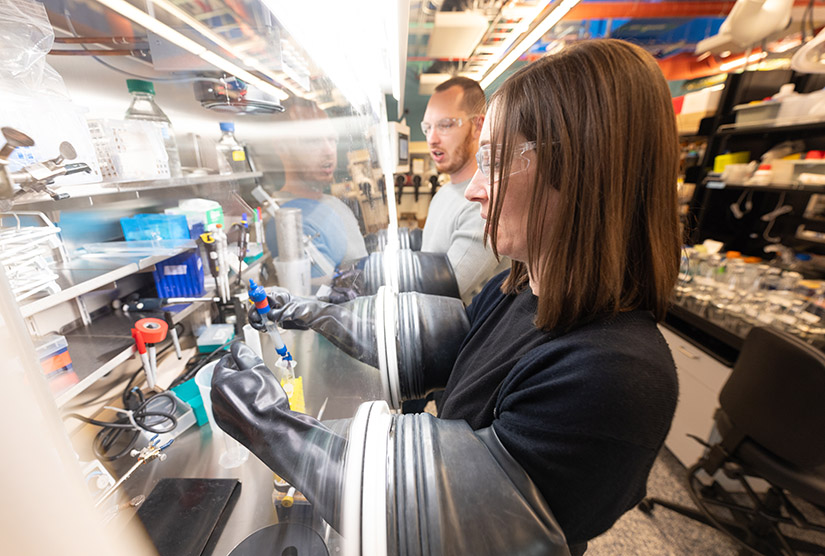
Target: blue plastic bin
{"type": "Point", "coordinates": [142, 227]}
{"type": "Point", "coordinates": [180, 276]}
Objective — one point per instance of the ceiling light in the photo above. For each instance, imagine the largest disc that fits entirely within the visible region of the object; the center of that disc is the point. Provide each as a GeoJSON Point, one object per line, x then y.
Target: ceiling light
{"type": "Point", "coordinates": [371, 63]}
{"type": "Point", "coordinates": [727, 66]}
{"type": "Point", "coordinates": [543, 26]}
{"type": "Point", "coordinates": [787, 46]}
{"type": "Point", "coordinates": [151, 24]}
{"type": "Point", "coordinates": [226, 45]}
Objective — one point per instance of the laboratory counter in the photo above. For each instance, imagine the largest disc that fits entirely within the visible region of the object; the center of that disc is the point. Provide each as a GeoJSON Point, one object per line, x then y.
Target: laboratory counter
{"type": "Point", "coordinates": [334, 385]}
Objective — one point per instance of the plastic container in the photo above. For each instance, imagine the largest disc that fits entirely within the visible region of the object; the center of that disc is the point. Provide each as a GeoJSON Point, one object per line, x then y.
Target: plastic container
{"type": "Point", "coordinates": [199, 211]}
{"type": "Point", "coordinates": [703, 101]}
{"type": "Point", "coordinates": [189, 393]}
{"type": "Point", "coordinates": [152, 227]}
{"type": "Point", "coordinates": [53, 352]}
{"type": "Point", "coordinates": [233, 453]}
{"type": "Point", "coordinates": [180, 276]}
{"type": "Point", "coordinates": [144, 107]}
{"type": "Point", "coordinates": [793, 108]}
{"type": "Point", "coordinates": [215, 336]}
{"type": "Point", "coordinates": [762, 176]}
{"type": "Point", "coordinates": [183, 412]}
{"type": "Point", "coordinates": [129, 149]}
{"type": "Point", "coordinates": [232, 150]}
{"type": "Point", "coordinates": [757, 112]}
{"type": "Point", "coordinates": [721, 161]}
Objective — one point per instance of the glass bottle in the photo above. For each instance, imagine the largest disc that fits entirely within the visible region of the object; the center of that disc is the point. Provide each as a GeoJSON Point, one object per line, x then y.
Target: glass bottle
{"type": "Point", "coordinates": [231, 149]}
{"type": "Point", "coordinates": [145, 108]}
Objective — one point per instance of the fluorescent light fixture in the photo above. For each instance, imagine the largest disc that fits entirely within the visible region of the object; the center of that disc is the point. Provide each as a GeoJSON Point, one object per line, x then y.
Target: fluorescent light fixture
{"type": "Point", "coordinates": [544, 25]}
{"type": "Point", "coordinates": [727, 66]}
{"type": "Point", "coordinates": [150, 23]}
{"type": "Point", "coordinates": [787, 46]}
{"type": "Point", "coordinates": [370, 64]}
{"type": "Point", "coordinates": [223, 43]}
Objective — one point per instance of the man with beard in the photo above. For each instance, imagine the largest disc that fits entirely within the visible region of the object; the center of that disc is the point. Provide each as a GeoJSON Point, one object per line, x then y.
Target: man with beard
{"type": "Point", "coordinates": [452, 125]}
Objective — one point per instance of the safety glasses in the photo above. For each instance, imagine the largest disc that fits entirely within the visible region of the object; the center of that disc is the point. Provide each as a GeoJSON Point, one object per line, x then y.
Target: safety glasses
{"type": "Point", "coordinates": [444, 126]}
{"type": "Point", "coordinates": [520, 163]}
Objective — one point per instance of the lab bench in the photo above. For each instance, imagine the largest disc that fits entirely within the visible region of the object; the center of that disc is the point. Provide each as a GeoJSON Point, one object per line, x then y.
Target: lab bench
{"type": "Point", "coordinates": [332, 381]}
{"type": "Point", "coordinates": [105, 343]}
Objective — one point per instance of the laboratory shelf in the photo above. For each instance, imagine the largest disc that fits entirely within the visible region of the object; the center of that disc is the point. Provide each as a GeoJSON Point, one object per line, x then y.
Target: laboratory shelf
{"type": "Point", "coordinates": [83, 275]}
{"type": "Point", "coordinates": [107, 342]}
{"type": "Point", "coordinates": [770, 126]}
{"type": "Point", "coordinates": [110, 187]}
{"type": "Point", "coordinates": [715, 183]}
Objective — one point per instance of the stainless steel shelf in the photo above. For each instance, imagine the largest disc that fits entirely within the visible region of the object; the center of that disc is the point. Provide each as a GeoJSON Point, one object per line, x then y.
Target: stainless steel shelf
{"type": "Point", "coordinates": [84, 275]}
{"type": "Point", "coordinates": [106, 343]}
{"type": "Point", "coordinates": [111, 187]}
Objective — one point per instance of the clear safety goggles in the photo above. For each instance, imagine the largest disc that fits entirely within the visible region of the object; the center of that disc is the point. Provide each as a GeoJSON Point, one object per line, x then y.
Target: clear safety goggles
{"type": "Point", "coordinates": [444, 126]}
{"type": "Point", "coordinates": [520, 163]}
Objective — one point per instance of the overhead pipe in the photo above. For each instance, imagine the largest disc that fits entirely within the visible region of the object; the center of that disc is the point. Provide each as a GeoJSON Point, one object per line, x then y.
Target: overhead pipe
{"type": "Point", "coordinates": [650, 10]}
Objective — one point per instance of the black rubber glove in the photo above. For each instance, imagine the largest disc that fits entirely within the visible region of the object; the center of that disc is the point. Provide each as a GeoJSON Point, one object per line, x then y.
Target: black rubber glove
{"type": "Point", "coordinates": [249, 404]}
{"type": "Point", "coordinates": [349, 326]}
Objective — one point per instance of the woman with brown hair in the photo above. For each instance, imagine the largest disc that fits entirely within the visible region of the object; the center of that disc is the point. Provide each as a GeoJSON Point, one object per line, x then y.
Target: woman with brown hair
{"type": "Point", "coordinates": [560, 368]}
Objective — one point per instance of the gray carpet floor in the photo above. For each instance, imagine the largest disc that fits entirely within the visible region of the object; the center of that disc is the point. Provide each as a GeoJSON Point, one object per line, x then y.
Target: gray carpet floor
{"type": "Point", "coordinates": [666, 533]}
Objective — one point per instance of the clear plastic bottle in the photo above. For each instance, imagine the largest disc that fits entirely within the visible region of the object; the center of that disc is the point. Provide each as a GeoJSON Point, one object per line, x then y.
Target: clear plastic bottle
{"type": "Point", "coordinates": [231, 149]}
{"type": "Point", "coordinates": [144, 107]}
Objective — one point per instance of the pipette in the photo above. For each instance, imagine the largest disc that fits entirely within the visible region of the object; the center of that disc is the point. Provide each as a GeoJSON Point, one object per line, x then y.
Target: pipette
{"type": "Point", "coordinates": [258, 295]}
{"type": "Point", "coordinates": [243, 244]}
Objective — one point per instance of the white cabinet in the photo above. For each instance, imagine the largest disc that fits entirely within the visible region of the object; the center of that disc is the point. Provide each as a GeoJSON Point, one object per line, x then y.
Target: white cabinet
{"type": "Point", "coordinates": [701, 378]}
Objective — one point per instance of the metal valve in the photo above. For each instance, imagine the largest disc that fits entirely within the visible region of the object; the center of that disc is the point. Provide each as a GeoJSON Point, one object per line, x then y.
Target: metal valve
{"type": "Point", "coordinates": [35, 177]}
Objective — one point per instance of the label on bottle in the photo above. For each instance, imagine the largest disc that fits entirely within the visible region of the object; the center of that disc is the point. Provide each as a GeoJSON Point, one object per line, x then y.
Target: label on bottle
{"type": "Point", "coordinates": [238, 156]}
{"type": "Point", "coordinates": [164, 130]}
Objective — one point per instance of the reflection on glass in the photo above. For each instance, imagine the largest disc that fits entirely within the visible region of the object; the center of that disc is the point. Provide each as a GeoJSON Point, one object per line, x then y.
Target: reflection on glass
{"type": "Point", "coordinates": [307, 149]}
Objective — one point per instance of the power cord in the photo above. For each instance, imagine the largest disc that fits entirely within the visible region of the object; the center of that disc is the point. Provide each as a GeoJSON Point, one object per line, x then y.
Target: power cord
{"type": "Point", "coordinates": [199, 361]}
{"type": "Point", "coordinates": [137, 415]}
{"type": "Point", "coordinates": [134, 418]}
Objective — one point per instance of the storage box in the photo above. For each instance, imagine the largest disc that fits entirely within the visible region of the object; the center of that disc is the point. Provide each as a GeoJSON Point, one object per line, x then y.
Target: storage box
{"type": "Point", "coordinates": [215, 336]}
{"type": "Point", "coordinates": [180, 276]}
{"type": "Point", "coordinates": [188, 392]}
{"type": "Point", "coordinates": [757, 112]}
{"type": "Point", "coordinates": [689, 123]}
{"type": "Point", "coordinates": [802, 108]}
{"type": "Point", "coordinates": [129, 149]}
{"type": "Point", "coordinates": [786, 172]}
{"type": "Point", "coordinates": [704, 100]}
{"type": "Point", "coordinates": [719, 163]}
{"type": "Point", "coordinates": [53, 353]}
{"type": "Point", "coordinates": [151, 227]}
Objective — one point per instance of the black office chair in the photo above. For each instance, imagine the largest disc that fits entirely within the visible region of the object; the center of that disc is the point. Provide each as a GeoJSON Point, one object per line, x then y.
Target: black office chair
{"type": "Point", "coordinates": [771, 421]}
